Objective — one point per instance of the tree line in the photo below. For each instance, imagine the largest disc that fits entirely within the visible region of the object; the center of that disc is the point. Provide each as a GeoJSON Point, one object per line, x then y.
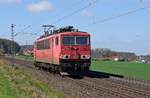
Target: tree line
{"type": "Point", "coordinates": [107, 54]}
{"type": "Point", "coordinates": [8, 47]}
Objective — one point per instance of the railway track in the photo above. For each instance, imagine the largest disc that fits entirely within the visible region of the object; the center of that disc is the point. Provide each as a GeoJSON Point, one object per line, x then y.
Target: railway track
{"type": "Point", "coordinates": [134, 92]}
{"type": "Point", "coordinates": [133, 81]}
{"type": "Point", "coordinates": [123, 79]}
{"type": "Point", "coordinates": [102, 91]}
{"type": "Point", "coordinates": [112, 87]}
{"type": "Point", "coordinates": [130, 82]}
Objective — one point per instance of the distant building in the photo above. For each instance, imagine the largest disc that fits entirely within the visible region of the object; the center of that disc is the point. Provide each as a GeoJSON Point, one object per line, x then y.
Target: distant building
{"type": "Point", "coordinates": [28, 52]}
{"type": "Point", "coordinates": [116, 59]}
{"type": "Point", "coordinates": [144, 59]}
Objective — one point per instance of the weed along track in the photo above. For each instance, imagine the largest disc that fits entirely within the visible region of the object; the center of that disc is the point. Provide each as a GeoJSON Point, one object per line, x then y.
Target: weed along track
{"type": "Point", "coordinates": [90, 85]}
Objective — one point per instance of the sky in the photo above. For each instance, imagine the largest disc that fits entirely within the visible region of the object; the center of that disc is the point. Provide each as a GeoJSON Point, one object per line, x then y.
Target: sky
{"type": "Point", "coordinates": [129, 33]}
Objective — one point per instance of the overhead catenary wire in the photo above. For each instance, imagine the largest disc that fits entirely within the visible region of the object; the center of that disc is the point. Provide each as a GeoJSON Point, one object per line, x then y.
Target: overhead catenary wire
{"type": "Point", "coordinates": [21, 32]}
{"type": "Point", "coordinates": [76, 3]}
{"type": "Point", "coordinates": [70, 6]}
{"type": "Point", "coordinates": [115, 17]}
{"type": "Point", "coordinates": [76, 11]}
{"type": "Point", "coordinates": [71, 14]}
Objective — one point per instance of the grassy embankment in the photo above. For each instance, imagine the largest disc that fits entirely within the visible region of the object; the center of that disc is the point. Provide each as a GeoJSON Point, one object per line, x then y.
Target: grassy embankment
{"type": "Point", "coordinates": [16, 84]}
{"type": "Point", "coordinates": [130, 69]}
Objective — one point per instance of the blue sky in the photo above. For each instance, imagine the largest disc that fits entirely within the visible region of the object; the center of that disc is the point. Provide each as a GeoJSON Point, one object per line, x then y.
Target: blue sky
{"type": "Point", "coordinates": [128, 33]}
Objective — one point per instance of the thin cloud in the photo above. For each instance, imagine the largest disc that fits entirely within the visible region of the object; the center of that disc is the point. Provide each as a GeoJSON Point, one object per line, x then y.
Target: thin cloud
{"type": "Point", "coordinates": [85, 13]}
{"type": "Point", "coordinates": [42, 6]}
{"type": "Point", "coordinates": [10, 1]}
{"type": "Point", "coordinates": [145, 2]}
{"type": "Point", "coordinates": [90, 1]}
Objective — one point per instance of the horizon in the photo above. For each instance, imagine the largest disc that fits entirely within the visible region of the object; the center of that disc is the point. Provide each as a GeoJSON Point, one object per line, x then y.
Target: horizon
{"type": "Point", "coordinates": [110, 49]}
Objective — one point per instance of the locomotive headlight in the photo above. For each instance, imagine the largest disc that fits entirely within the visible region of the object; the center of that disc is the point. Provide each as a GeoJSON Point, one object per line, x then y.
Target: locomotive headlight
{"type": "Point", "coordinates": [85, 56]}
{"type": "Point", "coordinates": [65, 56]}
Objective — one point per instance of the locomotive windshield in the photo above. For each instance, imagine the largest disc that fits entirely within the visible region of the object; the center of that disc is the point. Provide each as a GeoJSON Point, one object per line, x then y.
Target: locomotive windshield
{"type": "Point", "coordinates": [75, 40]}
{"type": "Point", "coordinates": [68, 40]}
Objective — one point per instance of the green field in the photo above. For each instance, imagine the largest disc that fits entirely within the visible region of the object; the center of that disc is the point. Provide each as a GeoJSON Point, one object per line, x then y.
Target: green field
{"type": "Point", "coordinates": [14, 83]}
{"type": "Point", "coordinates": [130, 69]}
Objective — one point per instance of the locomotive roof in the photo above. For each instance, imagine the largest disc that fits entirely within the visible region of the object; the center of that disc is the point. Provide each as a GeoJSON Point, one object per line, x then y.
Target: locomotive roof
{"type": "Point", "coordinates": [69, 30]}
{"type": "Point", "coordinates": [63, 33]}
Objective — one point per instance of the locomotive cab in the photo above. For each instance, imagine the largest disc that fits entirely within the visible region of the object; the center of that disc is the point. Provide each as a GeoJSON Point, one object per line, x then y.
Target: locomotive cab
{"type": "Point", "coordinates": [75, 51]}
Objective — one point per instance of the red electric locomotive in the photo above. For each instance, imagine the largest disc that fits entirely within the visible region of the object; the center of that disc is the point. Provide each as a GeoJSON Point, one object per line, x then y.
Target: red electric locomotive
{"type": "Point", "coordinates": [63, 50]}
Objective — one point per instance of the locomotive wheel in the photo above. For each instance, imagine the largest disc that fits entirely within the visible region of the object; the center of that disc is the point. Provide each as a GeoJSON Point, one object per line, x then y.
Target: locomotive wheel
{"type": "Point", "coordinates": [35, 64]}
{"type": "Point", "coordinates": [53, 69]}
{"type": "Point", "coordinates": [87, 69]}
{"type": "Point", "coordinates": [59, 69]}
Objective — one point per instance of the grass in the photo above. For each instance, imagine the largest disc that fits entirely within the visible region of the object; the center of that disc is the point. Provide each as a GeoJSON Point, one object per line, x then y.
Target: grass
{"type": "Point", "coordinates": [6, 89]}
{"type": "Point", "coordinates": [27, 58]}
{"type": "Point", "coordinates": [130, 69]}
{"type": "Point", "coordinates": [16, 84]}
